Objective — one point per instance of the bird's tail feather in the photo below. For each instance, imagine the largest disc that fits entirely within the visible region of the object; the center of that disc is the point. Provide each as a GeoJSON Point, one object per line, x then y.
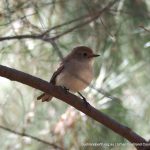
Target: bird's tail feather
{"type": "Point", "coordinates": [44, 97]}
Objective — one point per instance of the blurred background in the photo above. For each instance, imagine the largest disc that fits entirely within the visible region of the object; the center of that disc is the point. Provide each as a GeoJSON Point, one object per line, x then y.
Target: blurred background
{"type": "Point", "coordinates": [120, 89]}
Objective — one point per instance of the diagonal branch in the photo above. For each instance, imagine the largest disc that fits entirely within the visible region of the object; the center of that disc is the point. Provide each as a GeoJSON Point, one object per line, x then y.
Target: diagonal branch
{"type": "Point", "coordinates": [30, 136]}
{"type": "Point", "coordinates": [76, 102]}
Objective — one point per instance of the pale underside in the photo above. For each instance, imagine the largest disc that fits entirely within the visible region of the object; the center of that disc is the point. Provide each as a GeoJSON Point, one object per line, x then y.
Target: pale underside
{"type": "Point", "coordinates": [75, 78]}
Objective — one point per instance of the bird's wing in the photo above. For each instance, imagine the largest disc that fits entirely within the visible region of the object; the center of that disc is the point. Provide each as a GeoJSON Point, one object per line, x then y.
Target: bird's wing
{"type": "Point", "coordinates": [45, 96]}
{"type": "Point", "coordinates": [56, 73]}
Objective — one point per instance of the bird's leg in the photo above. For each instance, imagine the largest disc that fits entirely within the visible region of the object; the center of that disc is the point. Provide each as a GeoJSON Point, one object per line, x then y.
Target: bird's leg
{"type": "Point", "coordinates": [84, 99]}
{"type": "Point", "coordinates": [65, 89]}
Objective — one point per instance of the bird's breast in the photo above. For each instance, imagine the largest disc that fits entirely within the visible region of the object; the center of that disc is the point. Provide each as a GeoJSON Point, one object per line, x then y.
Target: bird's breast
{"type": "Point", "coordinates": [75, 77]}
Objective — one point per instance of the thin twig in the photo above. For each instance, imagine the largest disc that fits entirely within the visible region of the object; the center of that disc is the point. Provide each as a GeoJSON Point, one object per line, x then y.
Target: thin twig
{"type": "Point", "coordinates": [30, 136]}
{"type": "Point", "coordinates": [19, 37]}
{"type": "Point", "coordinates": [57, 49]}
{"type": "Point", "coordinates": [93, 18]}
{"type": "Point", "coordinates": [144, 28]}
{"type": "Point", "coordinates": [106, 29]}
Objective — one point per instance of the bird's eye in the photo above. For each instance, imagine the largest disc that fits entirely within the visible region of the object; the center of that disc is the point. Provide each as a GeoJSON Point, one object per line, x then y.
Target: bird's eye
{"type": "Point", "coordinates": [84, 54]}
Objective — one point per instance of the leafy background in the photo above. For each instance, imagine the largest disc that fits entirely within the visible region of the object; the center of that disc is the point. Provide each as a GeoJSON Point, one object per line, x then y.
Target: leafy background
{"type": "Point", "coordinates": [121, 85]}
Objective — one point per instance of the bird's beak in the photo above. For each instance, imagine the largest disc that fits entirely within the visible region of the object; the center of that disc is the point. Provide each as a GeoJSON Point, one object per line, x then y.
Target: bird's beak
{"type": "Point", "coordinates": [94, 55]}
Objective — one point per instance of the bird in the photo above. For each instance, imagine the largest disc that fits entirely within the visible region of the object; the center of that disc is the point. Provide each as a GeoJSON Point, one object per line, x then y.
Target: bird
{"type": "Point", "coordinates": [75, 72]}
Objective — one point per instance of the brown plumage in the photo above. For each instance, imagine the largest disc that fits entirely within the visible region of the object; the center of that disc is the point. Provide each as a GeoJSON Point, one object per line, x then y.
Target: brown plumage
{"type": "Point", "coordinates": [74, 68]}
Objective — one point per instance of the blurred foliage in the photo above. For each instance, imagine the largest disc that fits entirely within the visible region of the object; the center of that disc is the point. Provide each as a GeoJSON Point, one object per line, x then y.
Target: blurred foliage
{"type": "Point", "coordinates": [121, 35]}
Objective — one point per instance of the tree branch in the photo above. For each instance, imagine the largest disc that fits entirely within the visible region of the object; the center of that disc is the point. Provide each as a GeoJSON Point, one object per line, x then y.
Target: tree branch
{"type": "Point", "coordinates": [43, 36]}
{"type": "Point", "coordinates": [145, 29]}
{"type": "Point", "coordinates": [76, 102]}
{"type": "Point", "coordinates": [19, 37]}
{"type": "Point", "coordinates": [32, 137]}
{"type": "Point", "coordinates": [89, 20]}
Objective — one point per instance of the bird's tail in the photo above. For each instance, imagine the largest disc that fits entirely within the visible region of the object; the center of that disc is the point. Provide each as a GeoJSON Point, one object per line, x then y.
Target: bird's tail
{"type": "Point", "coordinates": [44, 97]}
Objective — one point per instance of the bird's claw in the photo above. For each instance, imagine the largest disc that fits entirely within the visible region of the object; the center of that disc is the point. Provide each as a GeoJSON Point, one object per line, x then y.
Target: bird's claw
{"type": "Point", "coordinates": [85, 101]}
{"type": "Point", "coordinates": [65, 89]}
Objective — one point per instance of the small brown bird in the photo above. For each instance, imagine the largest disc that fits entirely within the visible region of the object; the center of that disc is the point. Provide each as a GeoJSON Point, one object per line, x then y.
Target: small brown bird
{"type": "Point", "coordinates": [75, 71]}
